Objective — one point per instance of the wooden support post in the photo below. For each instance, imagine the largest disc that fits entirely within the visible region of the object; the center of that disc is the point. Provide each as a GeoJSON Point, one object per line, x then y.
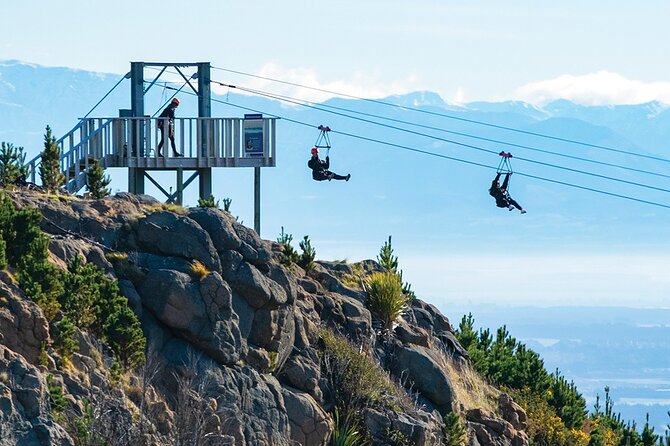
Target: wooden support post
{"type": "Point", "coordinates": [135, 180]}
{"type": "Point", "coordinates": [180, 186]}
{"type": "Point", "coordinates": [205, 182]}
{"type": "Point", "coordinates": [257, 200]}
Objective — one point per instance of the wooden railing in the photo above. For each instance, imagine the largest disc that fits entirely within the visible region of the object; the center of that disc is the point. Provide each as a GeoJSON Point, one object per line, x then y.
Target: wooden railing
{"type": "Point", "coordinates": [133, 142]}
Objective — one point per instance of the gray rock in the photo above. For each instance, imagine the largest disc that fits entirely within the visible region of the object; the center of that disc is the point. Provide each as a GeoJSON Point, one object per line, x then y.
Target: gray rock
{"type": "Point", "coordinates": [23, 327]}
{"type": "Point", "coordinates": [199, 312]}
{"type": "Point", "coordinates": [169, 234]}
{"type": "Point", "coordinates": [25, 418]}
{"type": "Point", "coordinates": [302, 371]}
{"type": "Point", "coordinates": [421, 368]}
{"type": "Point", "coordinates": [411, 335]}
{"type": "Point", "coordinates": [251, 283]}
{"type": "Point", "coordinates": [127, 289]}
{"type": "Point", "coordinates": [219, 226]}
{"type": "Point", "coordinates": [310, 425]}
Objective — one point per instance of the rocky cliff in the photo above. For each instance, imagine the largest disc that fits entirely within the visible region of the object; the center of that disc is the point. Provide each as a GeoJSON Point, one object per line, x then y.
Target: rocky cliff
{"type": "Point", "coordinates": [241, 349]}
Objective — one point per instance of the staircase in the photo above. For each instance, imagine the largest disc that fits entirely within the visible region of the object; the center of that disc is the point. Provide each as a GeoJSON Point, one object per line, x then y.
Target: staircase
{"type": "Point", "coordinates": [79, 147]}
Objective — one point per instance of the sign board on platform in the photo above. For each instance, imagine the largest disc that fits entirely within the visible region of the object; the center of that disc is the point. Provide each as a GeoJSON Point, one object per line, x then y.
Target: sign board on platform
{"type": "Point", "coordinates": [253, 135]}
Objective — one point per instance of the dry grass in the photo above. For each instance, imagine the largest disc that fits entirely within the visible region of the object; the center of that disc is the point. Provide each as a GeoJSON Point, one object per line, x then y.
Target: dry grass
{"type": "Point", "coordinates": [470, 389]}
{"type": "Point", "coordinates": [356, 279]}
{"type": "Point", "coordinates": [61, 198]}
{"type": "Point", "coordinates": [199, 270]}
{"type": "Point", "coordinates": [116, 256]}
{"type": "Point", "coordinates": [165, 207]}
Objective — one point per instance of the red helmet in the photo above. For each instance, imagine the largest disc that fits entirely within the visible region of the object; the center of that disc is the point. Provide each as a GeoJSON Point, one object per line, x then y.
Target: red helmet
{"type": "Point", "coordinates": [315, 151]}
{"type": "Point", "coordinates": [175, 101]}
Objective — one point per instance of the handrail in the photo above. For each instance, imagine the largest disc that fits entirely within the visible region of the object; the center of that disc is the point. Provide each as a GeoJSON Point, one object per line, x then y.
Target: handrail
{"type": "Point", "coordinates": [133, 141]}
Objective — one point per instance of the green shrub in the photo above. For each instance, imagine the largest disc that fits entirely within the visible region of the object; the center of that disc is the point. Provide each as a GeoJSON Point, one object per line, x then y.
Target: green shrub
{"type": "Point", "coordinates": [96, 181]}
{"type": "Point", "coordinates": [64, 340]}
{"type": "Point", "coordinates": [390, 262]}
{"type": "Point", "coordinates": [50, 169]}
{"type": "Point", "coordinates": [124, 335]}
{"type": "Point", "coordinates": [308, 254]}
{"type": "Point", "coordinates": [346, 431]}
{"type": "Point", "coordinates": [226, 205]}
{"type": "Point", "coordinates": [80, 292]}
{"type": "Point", "coordinates": [355, 379]}
{"type": "Point", "coordinates": [208, 202]}
{"type": "Point", "coordinates": [56, 398]}
{"type": "Point", "coordinates": [26, 249]}
{"type": "Point", "coordinates": [386, 300]}
{"type": "Point", "coordinates": [3, 254]}
{"type": "Point", "coordinates": [12, 163]}
{"type": "Point", "coordinates": [453, 430]}
{"type": "Point", "coordinates": [289, 254]}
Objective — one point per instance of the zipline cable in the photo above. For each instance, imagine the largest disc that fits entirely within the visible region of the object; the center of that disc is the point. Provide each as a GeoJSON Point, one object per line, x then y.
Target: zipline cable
{"type": "Point", "coordinates": [306, 103]}
{"type": "Point", "coordinates": [634, 183]}
{"type": "Point", "coordinates": [444, 115]}
{"type": "Point", "coordinates": [126, 76]}
{"type": "Point", "coordinates": [439, 155]}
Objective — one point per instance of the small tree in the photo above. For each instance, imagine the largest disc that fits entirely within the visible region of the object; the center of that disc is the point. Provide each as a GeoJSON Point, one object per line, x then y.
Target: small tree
{"type": "Point", "coordinates": [390, 262]}
{"type": "Point", "coordinates": [289, 253]}
{"type": "Point", "coordinates": [52, 177]}
{"type": "Point", "coordinates": [12, 163]}
{"type": "Point", "coordinates": [97, 181]}
{"type": "Point", "coordinates": [208, 202]}
{"type": "Point", "coordinates": [308, 254]}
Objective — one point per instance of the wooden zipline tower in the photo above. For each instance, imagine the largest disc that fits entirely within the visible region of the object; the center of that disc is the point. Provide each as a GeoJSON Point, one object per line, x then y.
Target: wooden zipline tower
{"type": "Point", "coordinates": [205, 142]}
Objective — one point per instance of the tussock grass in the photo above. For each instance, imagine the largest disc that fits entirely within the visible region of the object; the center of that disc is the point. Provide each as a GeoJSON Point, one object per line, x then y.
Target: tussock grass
{"type": "Point", "coordinates": [165, 207]}
{"type": "Point", "coordinates": [116, 256]}
{"type": "Point", "coordinates": [470, 389]}
{"type": "Point", "coordinates": [199, 270]}
{"type": "Point", "coordinates": [356, 379]}
{"type": "Point", "coordinates": [386, 300]}
{"type": "Point", "coordinates": [355, 279]}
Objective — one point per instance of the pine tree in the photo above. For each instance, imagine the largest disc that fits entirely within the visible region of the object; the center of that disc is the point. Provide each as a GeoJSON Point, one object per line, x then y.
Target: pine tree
{"type": "Point", "coordinates": [96, 181]}
{"type": "Point", "coordinates": [12, 163]}
{"type": "Point", "coordinates": [52, 177]}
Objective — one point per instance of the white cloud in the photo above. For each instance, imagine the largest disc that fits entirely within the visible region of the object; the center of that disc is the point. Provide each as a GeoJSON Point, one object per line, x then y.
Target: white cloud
{"type": "Point", "coordinates": [601, 88]}
{"type": "Point", "coordinates": [294, 81]}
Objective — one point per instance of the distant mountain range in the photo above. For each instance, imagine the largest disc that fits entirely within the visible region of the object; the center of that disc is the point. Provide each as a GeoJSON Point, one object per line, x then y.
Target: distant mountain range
{"type": "Point", "coordinates": [392, 185]}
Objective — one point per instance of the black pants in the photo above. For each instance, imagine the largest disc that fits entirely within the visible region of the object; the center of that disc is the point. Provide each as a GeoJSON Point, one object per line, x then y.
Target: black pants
{"type": "Point", "coordinates": [327, 175]}
{"type": "Point", "coordinates": [513, 202]}
{"type": "Point", "coordinates": [160, 144]}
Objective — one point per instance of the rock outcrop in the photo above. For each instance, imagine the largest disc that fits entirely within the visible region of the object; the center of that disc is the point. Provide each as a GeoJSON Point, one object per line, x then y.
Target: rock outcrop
{"type": "Point", "coordinates": [235, 352]}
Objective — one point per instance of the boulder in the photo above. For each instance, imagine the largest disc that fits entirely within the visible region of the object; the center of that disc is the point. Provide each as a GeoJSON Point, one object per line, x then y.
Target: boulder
{"type": "Point", "coordinates": [310, 425]}
{"type": "Point", "coordinates": [169, 234]}
{"type": "Point", "coordinates": [25, 417]}
{"type": "Point", "coordinates": [219, 226]}
{"type": "Point", "coordinates": [420, 367]}
{"type": "Point", "coordinates": [256, 288]}
{"type": "Point", "coordinates": [302, 371]}
{"type": "Point", "coordinates": [199, 312]}
{"type": "Point", "coordinates": [23, 327]}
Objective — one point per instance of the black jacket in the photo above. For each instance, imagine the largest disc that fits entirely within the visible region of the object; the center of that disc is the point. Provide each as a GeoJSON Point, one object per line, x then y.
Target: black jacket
{"type": "Point", "coordinates": [319, 167]}
{"type": "Point", "coordinates": [167, 113]}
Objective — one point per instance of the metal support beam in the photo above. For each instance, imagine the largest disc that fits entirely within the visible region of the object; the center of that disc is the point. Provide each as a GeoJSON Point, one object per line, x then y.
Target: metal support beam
{"type": "Point", "coordinates": [257, 200]}
{"type": "Point", "coordinates": [204, 90]}
{"type": "Point", "coordinates": [180, 186]}
{"type": "Point", "coordinates": [135, 180]}
{"type": "Point", "coordinates": [205, 182]}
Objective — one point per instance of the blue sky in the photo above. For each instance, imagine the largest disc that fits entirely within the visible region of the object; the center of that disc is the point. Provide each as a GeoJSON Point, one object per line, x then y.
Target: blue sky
{"type": "Point", "coordinates": [595, 52]}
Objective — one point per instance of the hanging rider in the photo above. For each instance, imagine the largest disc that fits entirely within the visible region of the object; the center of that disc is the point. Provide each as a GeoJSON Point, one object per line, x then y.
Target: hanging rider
{"type": "Point", "coordinates": [503, 199]}
{"type": "Point", "coordinates": [320, 167]}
